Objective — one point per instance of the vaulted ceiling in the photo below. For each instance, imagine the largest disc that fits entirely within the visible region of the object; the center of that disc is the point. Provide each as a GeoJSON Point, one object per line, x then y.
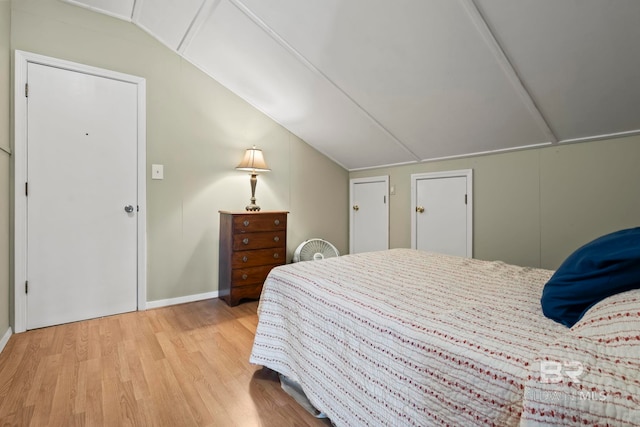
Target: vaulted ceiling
{"type": "Point", "coordinates": [381, 82]}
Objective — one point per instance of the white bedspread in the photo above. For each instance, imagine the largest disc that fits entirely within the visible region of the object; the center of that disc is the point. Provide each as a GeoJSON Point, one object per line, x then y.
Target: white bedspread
{"type": "Point", "coordinates": [599, 383]}
{"type": "Point", "coordinates": [405, 337]}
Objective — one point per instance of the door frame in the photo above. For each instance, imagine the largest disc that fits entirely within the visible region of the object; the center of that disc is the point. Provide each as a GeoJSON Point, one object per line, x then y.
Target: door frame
{"type": "Point", "coordinates": [22, 60]}
{"type": "Point", "coordinates": [467, 173]}
{"type": "Point", "coordinates": [352, 182]}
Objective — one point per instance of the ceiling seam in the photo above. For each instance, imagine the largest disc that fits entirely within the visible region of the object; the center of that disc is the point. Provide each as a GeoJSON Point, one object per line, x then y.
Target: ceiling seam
{"type": "Point", "coordinates": [136, 10]}
{"type": "Point", "coordinates": [102, 11]}
{"type": "Point", "coordinates": [282, 42]}
{"type": "Point", "coordinates": [194, 26]}
{"type": "Point", "coordinates": [508, 68]}
{"type": "Point", "coordinates": [601, 136]}
{"type": "Point", "coordinates": [460, 156]}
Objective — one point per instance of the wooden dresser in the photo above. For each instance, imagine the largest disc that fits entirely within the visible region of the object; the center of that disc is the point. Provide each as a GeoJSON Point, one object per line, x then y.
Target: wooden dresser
{"type": "Point", "coordinates": [251, 244]}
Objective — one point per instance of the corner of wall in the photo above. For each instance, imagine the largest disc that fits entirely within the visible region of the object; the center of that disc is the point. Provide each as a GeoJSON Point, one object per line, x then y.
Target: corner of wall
{"type": "Point", "coordinates": [5, 339]}
{"type": "Point", "coordinates": [5, 177]}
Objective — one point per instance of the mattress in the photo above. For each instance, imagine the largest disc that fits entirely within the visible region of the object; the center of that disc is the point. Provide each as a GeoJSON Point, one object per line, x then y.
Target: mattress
{"type": "Point", "coordinates": [405, 337]}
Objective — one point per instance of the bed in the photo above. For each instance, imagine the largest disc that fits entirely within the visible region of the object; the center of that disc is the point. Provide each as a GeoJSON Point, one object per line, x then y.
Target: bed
{"type": "Point", "coordinates": [406, 337]}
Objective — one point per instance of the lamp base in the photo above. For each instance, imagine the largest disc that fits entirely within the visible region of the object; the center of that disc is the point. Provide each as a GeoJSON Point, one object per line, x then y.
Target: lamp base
{"type": "Point", "coordinates": [252, 207]}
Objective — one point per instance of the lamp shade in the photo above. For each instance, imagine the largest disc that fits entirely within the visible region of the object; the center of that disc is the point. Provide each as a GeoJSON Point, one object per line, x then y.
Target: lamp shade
{"type": "Point", "coordinates": [253, 161]}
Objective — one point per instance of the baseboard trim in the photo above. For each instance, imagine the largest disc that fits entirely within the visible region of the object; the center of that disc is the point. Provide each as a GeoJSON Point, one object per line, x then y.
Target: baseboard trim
{"type": "Point", "coordinates": [5, 339]}
{"type": "Point", "coordinates": [181, 300]}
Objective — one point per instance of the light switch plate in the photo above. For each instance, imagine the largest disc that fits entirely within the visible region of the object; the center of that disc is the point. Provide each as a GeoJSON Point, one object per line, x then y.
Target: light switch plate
{"type": "Point", "coordinates": [157, 171]}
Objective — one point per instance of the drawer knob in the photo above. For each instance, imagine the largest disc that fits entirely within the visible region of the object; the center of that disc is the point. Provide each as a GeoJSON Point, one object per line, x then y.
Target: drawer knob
{"type": "Point", "coordinates": [246, 223]}
{"type": "Point", "coordinates": [244, 277]}
{"type": "Point", "coordinates": [245, 240]}
{"type": "Point", "coordinates": [276, 222]}
{"type": "Point", "coordinates": [276, 239]}
{"type": "Point", "coordinates": [245, 259]}
{"type": "Point", "coordinates": [276, 255]}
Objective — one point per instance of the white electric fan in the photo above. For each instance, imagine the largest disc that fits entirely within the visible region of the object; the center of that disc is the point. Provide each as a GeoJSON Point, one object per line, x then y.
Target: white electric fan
{"type": "Point", "coordinates": [314, 250]}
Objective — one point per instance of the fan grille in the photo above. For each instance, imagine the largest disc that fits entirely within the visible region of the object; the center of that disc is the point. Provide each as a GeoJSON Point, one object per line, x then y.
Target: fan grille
{"type": "Point", "coordinates": [315, 249]}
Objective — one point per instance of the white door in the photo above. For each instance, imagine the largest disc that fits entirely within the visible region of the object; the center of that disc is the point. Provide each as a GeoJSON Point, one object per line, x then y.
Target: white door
{"type": "Point", "coordinates": [82, 199]}
{"type": "Point", "coordinates": [369, 220]}
{"type": "Point", "coordinates": [442, 212]}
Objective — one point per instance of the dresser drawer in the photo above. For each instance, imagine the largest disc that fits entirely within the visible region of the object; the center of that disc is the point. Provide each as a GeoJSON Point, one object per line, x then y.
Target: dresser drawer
{"type": "Point", "coordinates": [251, 222]}
{"type": "Point", "coordinates": [249, 241]}
{"type": "Point", "coordinates": [273, 256]}
{"type": "Point", "coordinates": [250, 275]}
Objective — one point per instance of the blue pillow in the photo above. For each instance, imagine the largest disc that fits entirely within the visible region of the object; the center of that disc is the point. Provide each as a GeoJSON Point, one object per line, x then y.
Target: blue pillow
{"type": "Point", "coordinates": [606, 266]}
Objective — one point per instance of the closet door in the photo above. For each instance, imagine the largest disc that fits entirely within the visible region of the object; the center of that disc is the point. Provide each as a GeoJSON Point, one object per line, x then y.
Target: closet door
{"type": "Point", "coordinates": [442, 212]}
{"type": "Point", "coordinates": [369, 219]}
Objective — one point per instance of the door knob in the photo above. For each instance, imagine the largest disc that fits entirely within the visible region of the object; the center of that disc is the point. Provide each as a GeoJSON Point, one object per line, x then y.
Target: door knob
{"type": "Point", "coordinates": [419, 209]}
{"type": "Point", "coordinates": [128, 209]}
{"type": "Point", "coordinates": [356, 207]}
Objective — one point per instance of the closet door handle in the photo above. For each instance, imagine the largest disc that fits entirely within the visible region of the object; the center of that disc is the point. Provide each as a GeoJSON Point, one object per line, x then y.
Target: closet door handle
{"type": "Point", "coordinates": [419, 209]}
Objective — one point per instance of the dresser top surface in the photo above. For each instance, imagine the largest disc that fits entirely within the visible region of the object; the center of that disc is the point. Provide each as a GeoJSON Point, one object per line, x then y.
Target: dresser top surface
{"type": "Point", "coordinates": [252, 213]}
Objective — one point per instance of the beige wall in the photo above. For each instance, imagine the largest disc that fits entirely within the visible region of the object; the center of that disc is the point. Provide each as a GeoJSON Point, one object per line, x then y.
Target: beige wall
{"type": "Point", "coordinates": [198, 130]}
{"type": "Point", "coordinates": [531, 207]}
{"type": "Point", "coordinates": [5, 161]}
{"type": "Point", "coordinates": [534, 207]}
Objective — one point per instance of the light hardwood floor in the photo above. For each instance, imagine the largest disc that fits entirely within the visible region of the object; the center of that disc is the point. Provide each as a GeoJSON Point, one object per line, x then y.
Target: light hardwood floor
{"type": "Point", "coordinates": [184, 365]}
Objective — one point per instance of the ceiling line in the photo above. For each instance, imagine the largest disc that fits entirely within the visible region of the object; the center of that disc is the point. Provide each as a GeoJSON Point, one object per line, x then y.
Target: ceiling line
{"type": "Point", "coordinates": [488, 152]}
{"type": "Point", "coordinates": [102, 11]}
{"type": "Point", "coordinates": [282, 42]}
{"type": "Point", "coordinates": [466, 155]}
{"type": "Point", "coordinates": [136, 10]}
{"type": "Point", "coordinates": [507, 67]}
{"type": "Point", "coordinates": [207, 7]}
{"type": "Point", "coordinates": [601, 137]}
{"type": "Point", "coordinates": [383, 166]}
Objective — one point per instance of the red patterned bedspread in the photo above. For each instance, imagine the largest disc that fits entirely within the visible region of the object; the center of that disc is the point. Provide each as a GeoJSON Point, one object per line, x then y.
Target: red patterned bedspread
{"type": "Point", "coordinates": [405, 337]}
